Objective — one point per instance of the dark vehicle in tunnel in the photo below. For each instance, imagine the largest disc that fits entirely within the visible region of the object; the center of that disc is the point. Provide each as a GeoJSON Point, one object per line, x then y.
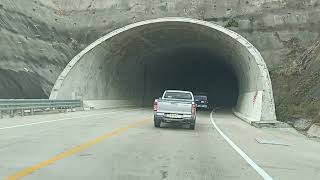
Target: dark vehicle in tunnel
{"type": "Point", "coordinates": [175, 107]}
{"type": "Point", "coordinates": [201, 102]}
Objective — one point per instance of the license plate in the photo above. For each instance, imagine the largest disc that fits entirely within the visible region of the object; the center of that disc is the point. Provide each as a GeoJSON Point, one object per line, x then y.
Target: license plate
{"type": "Point", "coordinates": [174, 116]}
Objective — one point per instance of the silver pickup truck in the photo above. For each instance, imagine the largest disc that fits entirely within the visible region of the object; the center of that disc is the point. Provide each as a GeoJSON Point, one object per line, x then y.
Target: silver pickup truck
{"type": "Point", "coordinates": [175, 107]}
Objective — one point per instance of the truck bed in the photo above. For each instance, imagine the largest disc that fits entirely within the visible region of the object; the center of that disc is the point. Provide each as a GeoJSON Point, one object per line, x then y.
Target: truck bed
{"type": "Point", "coordinates": [174, 106]}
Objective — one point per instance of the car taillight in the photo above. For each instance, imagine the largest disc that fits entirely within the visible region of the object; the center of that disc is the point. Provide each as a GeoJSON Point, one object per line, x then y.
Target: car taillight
{"type": "Point", "coordinates": [155, 105]}
{"type": "Point", "coordinates": [193, 109]}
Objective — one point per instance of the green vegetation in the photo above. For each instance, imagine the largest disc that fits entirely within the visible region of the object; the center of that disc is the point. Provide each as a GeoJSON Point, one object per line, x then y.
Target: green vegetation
{"type": "Point", "coordinates": [232, 23]}
{"type": "Point", "coordinates": [294, 95]}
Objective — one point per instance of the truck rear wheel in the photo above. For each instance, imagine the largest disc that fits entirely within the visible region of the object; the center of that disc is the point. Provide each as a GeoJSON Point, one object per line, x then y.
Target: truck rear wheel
{"type": "Point", "coordinates": [192, 126]}
{"type": "Point", "coordinates": [157, 123]}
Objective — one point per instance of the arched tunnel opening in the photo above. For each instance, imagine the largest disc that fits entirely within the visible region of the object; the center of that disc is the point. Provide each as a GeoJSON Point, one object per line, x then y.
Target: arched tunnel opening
{"type": "Point", "coordinates": [136, 63]}
{"type": "Point", "coordinates": [190, 68]}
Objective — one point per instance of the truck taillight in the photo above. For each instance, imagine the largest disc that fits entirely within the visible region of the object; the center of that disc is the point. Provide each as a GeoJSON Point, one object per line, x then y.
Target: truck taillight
{"type": "Point", "coordinates": [155, 105]}
{"type": "Point", "coordinates": [193, 109]}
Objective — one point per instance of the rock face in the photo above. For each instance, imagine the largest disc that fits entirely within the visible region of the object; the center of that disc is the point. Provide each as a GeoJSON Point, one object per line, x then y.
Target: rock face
{"type": "Point", "coordinates": [302, 124]}
{"type": "Point", "coordinates": [314, 131]}
{"type": "Point", "coordinates": [39, 37]}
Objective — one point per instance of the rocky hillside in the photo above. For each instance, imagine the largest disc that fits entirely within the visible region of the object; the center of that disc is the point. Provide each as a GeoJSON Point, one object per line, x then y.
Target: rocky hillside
{"type": "Point", "coordinates": [39, 37]}
{"type": "Point", "coordinates": [297, 86]}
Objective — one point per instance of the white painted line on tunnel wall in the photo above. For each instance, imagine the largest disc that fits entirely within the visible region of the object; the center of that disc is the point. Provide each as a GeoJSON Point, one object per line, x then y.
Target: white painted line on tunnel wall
{"type": "Point", "coordinates": [56, 120]}
{"type": "Point", "coordinates": [256, 167]}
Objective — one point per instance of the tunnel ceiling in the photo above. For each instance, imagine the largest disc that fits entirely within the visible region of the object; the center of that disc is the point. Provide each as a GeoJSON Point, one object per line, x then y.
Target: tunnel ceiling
{"type": "Point", "coordinates": [117, 66]}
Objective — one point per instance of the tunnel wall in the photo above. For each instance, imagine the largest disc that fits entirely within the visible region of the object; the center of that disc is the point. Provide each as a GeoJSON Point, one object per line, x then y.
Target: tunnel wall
{"type": "Point", "coordinates": [94, 73]}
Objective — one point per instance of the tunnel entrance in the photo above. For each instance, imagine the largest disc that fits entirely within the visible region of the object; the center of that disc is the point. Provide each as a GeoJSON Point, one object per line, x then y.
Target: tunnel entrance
{"type": "Point", "coordinates": [194, 69]}
{"type": "Point", "coordinates": [133, 65]}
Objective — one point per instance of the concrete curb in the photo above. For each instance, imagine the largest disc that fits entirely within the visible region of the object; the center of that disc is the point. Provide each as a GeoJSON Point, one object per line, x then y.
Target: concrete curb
{"type": "Point", "coordinates": [260, 124]}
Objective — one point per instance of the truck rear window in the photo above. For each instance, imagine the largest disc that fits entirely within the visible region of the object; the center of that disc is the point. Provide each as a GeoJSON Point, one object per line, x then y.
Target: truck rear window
{"type": "Point", "coordinates": [178, 95]}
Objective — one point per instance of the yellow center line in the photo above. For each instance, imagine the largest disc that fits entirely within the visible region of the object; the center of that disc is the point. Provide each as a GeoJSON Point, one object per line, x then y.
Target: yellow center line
{"type": "Point", "coordinates": [72, 151]}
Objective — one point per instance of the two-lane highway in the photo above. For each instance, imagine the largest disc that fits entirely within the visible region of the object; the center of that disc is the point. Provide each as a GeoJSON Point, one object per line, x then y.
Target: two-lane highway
{"type": "Point", "coordinates": [137, 151]}
{"type": "Point", "coordinates": [117, 144]}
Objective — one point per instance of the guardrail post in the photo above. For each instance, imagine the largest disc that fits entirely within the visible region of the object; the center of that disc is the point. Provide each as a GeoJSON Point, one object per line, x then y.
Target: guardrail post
{"type": "Point", "coordinates": [1, 114]}
{"type": "Point", "coordinates": [22, 112]}
{"type": "Point", "coordinates": [32, 111]}
{"type": "Point", "coordinates": [11, 113]}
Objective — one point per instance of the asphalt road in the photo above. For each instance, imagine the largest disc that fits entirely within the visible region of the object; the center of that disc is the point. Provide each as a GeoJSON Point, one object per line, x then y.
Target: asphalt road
{"type": "Point", "coordinates": [123, 144]}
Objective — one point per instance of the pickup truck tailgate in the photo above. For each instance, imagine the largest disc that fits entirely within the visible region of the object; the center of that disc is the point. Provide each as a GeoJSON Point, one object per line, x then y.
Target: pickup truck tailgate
{"type": "Point", "coordinates": [176, 107]}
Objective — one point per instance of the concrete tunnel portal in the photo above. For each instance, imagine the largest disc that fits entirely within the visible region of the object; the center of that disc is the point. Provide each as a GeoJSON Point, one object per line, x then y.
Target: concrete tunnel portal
{"type": "Point", "coordinates": [136, 63]}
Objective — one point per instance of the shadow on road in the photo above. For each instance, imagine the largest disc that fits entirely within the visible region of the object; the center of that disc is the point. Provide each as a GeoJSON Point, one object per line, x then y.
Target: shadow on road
{"type": "Point", "coordinates": [174, 126]}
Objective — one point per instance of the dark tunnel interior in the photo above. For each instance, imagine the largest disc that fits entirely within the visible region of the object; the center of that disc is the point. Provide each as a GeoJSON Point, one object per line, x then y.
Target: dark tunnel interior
{"type": "Point", "coordinates": [190, 68]}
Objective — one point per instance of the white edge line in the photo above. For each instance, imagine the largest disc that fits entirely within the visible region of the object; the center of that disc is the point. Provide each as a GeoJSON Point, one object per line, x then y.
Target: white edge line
{"type": "Point", "coordinates": [63, 119]}
{"type": "Point", "coordinates": [256, 167]}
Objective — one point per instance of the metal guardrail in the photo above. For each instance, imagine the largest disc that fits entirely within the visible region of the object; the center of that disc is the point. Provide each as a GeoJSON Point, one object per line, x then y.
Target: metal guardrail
{"type": "Point", "coordinates": [13, 105]}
